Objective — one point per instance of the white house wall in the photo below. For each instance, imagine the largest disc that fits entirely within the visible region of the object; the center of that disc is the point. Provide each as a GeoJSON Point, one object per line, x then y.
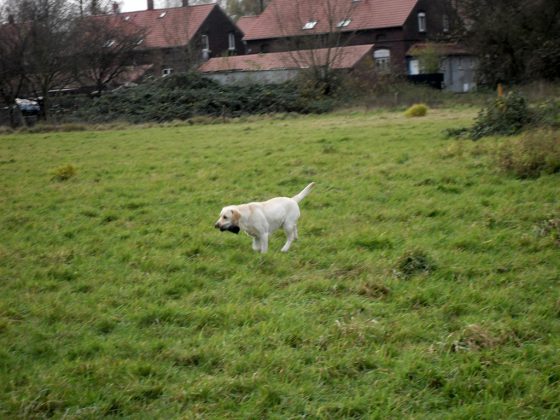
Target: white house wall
{"type": "Point", "coordinates": [261, 76]}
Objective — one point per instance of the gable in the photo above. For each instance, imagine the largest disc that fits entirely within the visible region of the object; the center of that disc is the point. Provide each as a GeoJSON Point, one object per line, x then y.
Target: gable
{"type": "Point", "coordinates": [166, 28]}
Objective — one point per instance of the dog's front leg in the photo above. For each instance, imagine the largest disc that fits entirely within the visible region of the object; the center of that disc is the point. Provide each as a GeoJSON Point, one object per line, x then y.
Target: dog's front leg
{"type": "Point", "coordinates": [256, 244]}
{"type": "Point", "coordinates": [263, 239]}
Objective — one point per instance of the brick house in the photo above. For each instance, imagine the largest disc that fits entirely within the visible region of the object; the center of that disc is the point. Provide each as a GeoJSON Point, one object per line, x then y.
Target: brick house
{"type": "Point", "coordinates": [180, 38]}
{"type": "Point", "coordinates": [393, 26]}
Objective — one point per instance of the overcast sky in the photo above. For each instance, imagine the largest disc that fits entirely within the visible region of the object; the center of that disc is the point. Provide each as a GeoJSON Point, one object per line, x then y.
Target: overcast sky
{"type": "Point", "coordinates": [133, 5]}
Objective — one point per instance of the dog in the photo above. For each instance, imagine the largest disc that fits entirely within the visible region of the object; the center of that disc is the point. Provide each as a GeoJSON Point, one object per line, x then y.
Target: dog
{"type": "Point", "coordinates": [262, 219]}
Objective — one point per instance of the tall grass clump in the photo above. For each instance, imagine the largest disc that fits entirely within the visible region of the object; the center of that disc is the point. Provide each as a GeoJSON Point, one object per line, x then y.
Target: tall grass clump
{"type": "Point", "coordinates": [63, 173]}
{"type": "Point", "coordinates": [547, 113]}
{"type": "Point", "coordinates": [533, 154]}
{"type": "Point", "coordinates": [416, 110]}
{"type": "Point", "coordinates": [413, 262]}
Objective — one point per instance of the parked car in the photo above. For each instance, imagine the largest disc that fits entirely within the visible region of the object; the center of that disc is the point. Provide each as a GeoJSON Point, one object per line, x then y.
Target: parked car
{"type": "Point", "coordinates": [28, 107]}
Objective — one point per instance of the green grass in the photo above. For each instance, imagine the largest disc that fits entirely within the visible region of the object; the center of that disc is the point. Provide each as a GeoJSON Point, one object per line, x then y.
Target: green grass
{"type": "Point", "coordinates": [119, 298]}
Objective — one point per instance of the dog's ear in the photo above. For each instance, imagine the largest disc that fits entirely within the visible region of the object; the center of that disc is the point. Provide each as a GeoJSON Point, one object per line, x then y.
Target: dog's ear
{"type": "Point", "coordinates": [235, 216]}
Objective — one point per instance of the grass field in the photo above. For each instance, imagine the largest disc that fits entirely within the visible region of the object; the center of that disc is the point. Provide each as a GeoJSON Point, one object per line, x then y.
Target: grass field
{"type": "Point", "coordinates": [119, 298]}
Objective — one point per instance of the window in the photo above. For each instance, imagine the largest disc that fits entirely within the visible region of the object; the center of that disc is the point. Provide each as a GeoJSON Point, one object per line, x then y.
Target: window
{"type": "Point", "coordinates": [231, 41]}
{"type": "Point", "coordinates": [445, 23]}
{"type": "Point", "coordinates": [421, 22]}
{"type": "Point", "coordinates": [343, 23]}
{"type": "Point", "coordinates": [166, 71]}
{"type": "Point", "coordinates": [382, 59]}
{"type": "Point", "coordinates": [310, 24]}
{"type": "Point", "coordinates": [205, 43]}
{"type": "Point", "coordinates": [414, 67]}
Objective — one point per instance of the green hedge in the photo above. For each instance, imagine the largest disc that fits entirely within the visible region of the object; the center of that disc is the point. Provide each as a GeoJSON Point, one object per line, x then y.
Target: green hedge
{"type": "Point", "coordinates": [188, 95]}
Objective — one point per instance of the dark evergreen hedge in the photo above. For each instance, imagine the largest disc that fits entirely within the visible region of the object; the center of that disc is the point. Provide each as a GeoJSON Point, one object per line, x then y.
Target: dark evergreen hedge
{"type": "Point", "coordinates": [188, 95]}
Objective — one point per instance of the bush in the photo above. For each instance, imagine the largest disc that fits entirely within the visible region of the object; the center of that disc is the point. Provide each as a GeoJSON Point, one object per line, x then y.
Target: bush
{"type": "Point", "coordinates": [63, 173]}
{"type": "Point", "coordinates": [185, 96]}
{"type": "Point", "coordinates": [505, 115]}
{"type": "Point", "coordinates": [535, 153]}
{"type": "Point", "coordinates": [508, 115]}
{"type": "Point", "coordinates": [416, 110]}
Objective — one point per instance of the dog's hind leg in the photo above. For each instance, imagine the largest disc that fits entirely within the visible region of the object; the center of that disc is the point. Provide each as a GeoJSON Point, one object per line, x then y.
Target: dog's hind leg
{"type": "Point", "coordinates": [291, 235]}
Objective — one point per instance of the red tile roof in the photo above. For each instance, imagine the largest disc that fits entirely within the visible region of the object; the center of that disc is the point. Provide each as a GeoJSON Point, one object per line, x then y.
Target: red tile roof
{"type": "Point", "coordinates": [287, 17]}
{"type": "Point", "coordinates": [245, 23]}
{"type": "Point", "coordinates": [340, 58]}
{"type": "Point", "coordinates": [166, 28]}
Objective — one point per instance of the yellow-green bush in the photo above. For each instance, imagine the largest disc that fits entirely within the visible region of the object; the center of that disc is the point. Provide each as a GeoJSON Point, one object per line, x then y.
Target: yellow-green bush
{"type": "Point", "coordinates": [63, 173]}
{"type": "Point", "coordinates": [416, 110]}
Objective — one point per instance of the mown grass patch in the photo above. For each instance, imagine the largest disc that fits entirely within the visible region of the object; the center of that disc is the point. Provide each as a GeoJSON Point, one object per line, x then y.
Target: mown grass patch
{"type": "Point", "coordinates": [119, 298]}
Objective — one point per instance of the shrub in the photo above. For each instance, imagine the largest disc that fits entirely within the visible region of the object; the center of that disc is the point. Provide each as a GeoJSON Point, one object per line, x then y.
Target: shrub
{"type": "Point", "coordinates": [416, 110]}
{"type": "Point", "coordinates": [533, 154]}
{"type": "Point", "coordinates": [505, 115]}
{"type": "Point", "coordinates": [413, 262]}
{"type": "Point", "coordinates": [185, 96]}
{"type": "Point", "coordinates": [63, 173]}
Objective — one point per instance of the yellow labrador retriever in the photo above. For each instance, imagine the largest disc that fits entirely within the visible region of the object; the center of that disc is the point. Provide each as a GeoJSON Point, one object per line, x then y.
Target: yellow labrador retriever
{"type": "Point", "coordinates": [260, 220]}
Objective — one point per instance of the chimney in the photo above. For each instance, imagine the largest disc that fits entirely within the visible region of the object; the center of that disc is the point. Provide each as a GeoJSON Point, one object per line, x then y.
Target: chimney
{"type": "Point", "coordinates": [150, 4]}
{"type": "Point", "coordinates": [185, 3]}
{"type": "Point", "coordinates": [116, 9]}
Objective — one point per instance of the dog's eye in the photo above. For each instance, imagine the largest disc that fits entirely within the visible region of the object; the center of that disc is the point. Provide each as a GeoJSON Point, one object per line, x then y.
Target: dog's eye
{"type": "Point", "coordinates": [225, 217]}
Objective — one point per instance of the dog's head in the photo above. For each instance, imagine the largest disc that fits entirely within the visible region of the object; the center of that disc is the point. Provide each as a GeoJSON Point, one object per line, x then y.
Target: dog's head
{"type": "Point", "coordinates": [228, 220]}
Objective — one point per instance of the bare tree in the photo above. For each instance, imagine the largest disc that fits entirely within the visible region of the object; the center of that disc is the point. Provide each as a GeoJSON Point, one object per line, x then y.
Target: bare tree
{"type": "Point", "coordinates": [93, 7]}
{"type": "Point", "coordinates": [104, 47]}
{"type": "Point", "coordinates": [314, 33]}
{"type": "Point", "coordinates": [238, 8]}
{"type": "Point", "coordinates": [13, 44]}
{"type": "Point", "coordinates": [43, 57]}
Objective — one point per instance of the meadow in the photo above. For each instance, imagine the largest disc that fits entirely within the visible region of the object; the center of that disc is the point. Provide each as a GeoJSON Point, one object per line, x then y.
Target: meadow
{"type": "Point", "coordinates": [424, 283]}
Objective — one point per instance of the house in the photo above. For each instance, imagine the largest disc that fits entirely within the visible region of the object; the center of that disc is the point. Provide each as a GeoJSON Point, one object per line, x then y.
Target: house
{"type": "Point", "coordinates": [456, 63]}
{"type": "Point", "coordinates": [282, 66]}
{"type": "Point", "coordinates": [392, 26]}
{"type": "Point", "coordinates": [179, 38]}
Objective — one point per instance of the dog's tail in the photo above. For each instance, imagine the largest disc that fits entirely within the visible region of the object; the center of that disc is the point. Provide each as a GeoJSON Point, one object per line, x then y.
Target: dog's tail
{"type": "Point", "coordinates": [303, 193]}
